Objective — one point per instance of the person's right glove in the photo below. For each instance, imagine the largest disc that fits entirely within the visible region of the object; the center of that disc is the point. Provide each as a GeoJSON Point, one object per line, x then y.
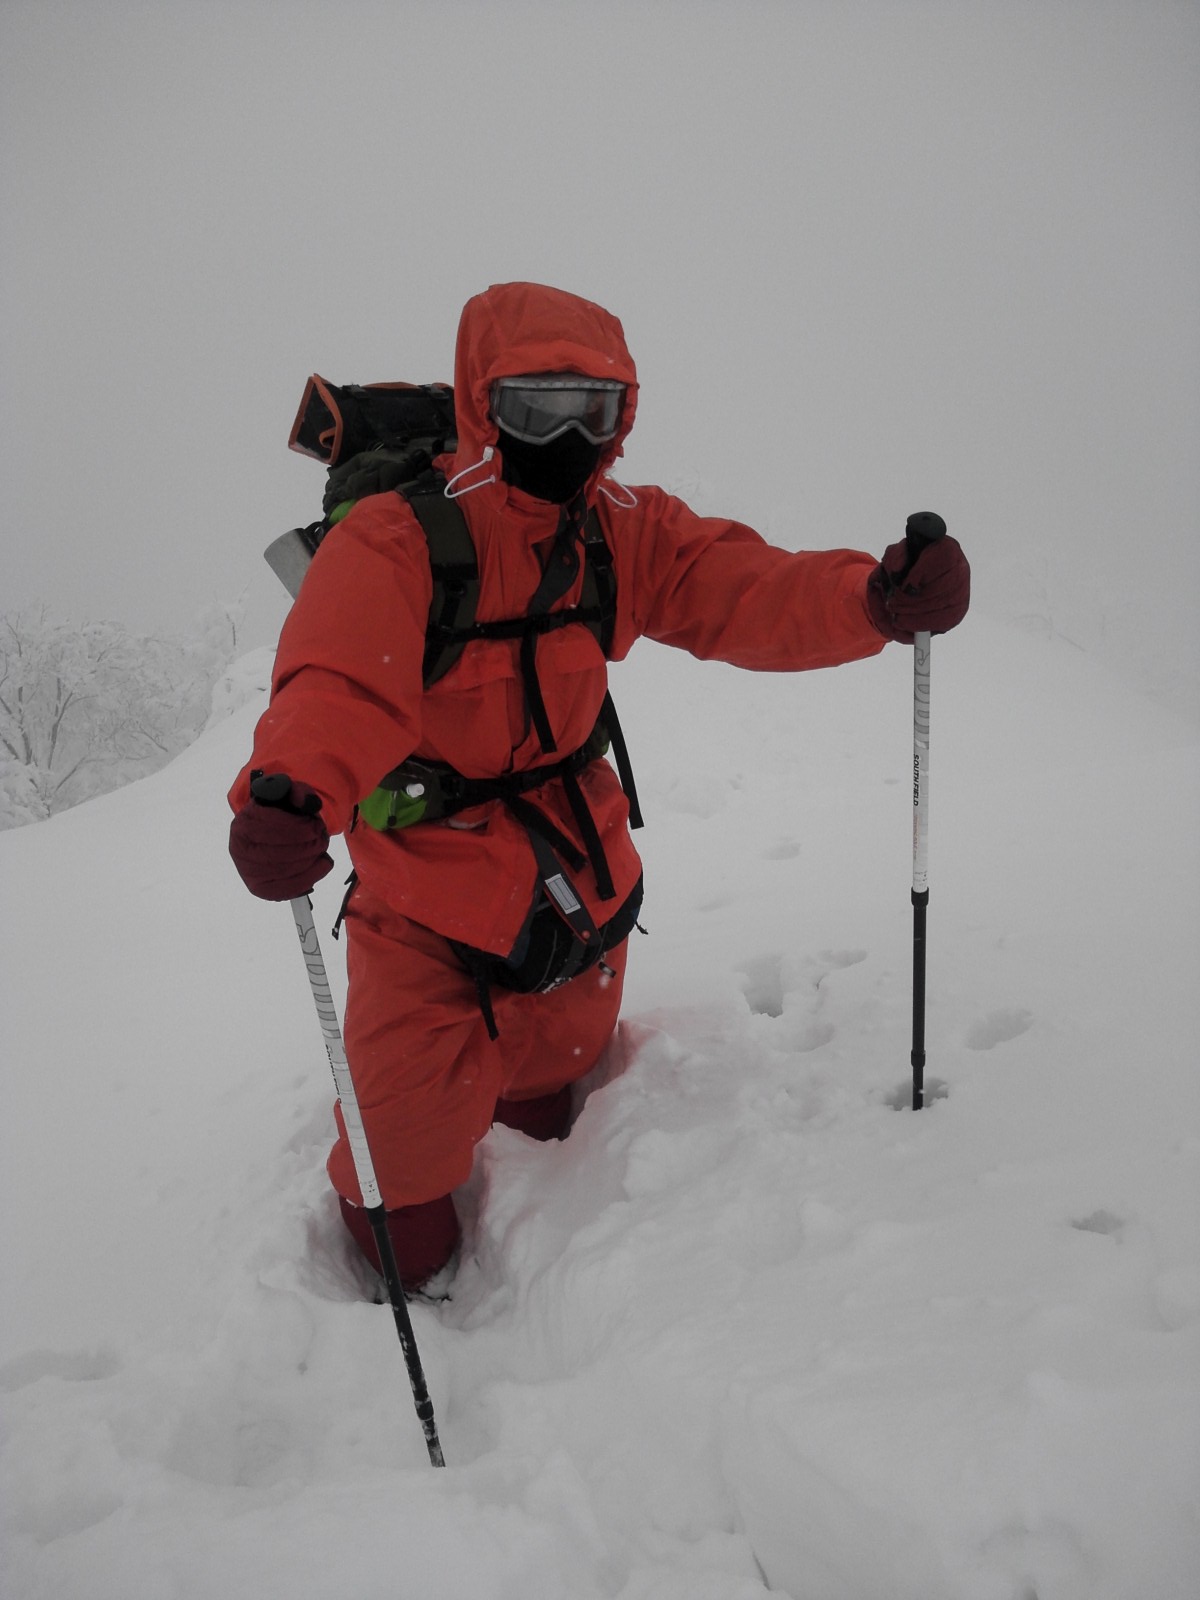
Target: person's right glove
{"type": "Point", "coordinates": [280, 850]}
{"type": "Point", "coordinates": [930, 595]}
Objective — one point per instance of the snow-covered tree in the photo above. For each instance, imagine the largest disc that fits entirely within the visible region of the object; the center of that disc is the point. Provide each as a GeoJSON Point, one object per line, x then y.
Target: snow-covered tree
{"type": "Point", "coordinates": [84, 709]}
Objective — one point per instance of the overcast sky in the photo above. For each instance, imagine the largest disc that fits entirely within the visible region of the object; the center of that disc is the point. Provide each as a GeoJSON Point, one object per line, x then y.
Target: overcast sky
{"type": "Point", "coordinates": [870, 256]}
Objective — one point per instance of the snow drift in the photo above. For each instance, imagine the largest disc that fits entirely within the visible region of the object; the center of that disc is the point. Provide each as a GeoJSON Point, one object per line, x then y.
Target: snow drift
{"type": "Point", "coordinates": [755, 1326]}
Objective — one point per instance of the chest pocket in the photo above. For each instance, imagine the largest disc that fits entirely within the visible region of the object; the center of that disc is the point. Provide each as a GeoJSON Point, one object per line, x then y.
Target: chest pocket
{"type": "Point", "coordinates": [572, 675]}
{"type": "Point", "coordinates": [478, 717]}
{"type": "Point", "coordinates": [473, 717]}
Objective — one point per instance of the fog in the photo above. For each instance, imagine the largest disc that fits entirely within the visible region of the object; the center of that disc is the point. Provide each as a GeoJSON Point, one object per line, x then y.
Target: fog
{"type": "Point", "coordinates": [870, 257]}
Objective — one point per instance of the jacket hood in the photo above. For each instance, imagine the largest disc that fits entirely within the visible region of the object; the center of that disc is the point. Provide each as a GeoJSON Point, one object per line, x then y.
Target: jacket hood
{"type": "Point", "coordinates": [515, 328]}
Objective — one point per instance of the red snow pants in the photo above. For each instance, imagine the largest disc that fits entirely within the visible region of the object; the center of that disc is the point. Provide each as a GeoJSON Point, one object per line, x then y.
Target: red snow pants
{"type": "Point", "coordinates": [425, 1071]}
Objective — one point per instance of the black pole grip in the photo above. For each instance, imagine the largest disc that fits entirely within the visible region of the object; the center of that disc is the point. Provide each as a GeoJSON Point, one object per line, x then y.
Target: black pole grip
{"type": "Point", "coordinates": [922, 528]}
{"type": "Point", "coordinates": [275, 789]}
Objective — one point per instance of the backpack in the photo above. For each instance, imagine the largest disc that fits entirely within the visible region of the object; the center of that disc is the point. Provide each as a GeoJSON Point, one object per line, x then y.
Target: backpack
{"type": "Point", "coordinates": [375, 438]}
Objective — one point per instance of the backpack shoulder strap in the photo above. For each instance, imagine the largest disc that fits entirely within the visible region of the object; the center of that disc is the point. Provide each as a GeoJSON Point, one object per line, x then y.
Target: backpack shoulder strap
{"type": "Point", "coordinates": [455, 570]}
{"type": "Point", "coordinates": [599, 582]}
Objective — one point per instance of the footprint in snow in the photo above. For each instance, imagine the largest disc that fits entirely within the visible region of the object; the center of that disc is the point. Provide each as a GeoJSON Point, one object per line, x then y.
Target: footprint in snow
{"type": "Point", "coordinates": [766, 982]}
{"type": "Point", "coordinates": [784, 850]}
{"type": "Point", "coordinates": [812, 1036]}
{"type": "Point", "coordinates": [1100, 1222]}
{"type": "Point", "coordinates": [998, 1027]}
{"type": "Point", "coordinates": [71, 1366]}
{"type": "Point", "coordinates": [718, 902]}
{"type": "Point", "coordinates": [836, 960]}
{"type": "Point", "coordinates": [762, 985]}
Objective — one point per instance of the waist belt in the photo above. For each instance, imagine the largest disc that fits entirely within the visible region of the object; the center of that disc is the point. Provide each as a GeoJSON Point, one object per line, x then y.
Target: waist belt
{"type": "Point", "coordinates": [569, 942]}
{"type": "Point", "coordinates": [551, 952]}
{"type": "Point", "coordinates": [425, 791]}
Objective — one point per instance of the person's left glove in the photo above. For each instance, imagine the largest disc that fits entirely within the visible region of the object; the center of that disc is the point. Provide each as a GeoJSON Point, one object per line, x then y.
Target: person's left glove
{"type": "Point", "coordinates": [281, 848]}
{"type": "Point", "coordinates": [929, 594]}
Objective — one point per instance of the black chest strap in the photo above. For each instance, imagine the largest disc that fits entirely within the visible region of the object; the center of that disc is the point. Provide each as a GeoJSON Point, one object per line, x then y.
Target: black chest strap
{"type": "Point", "coordinates": [454, 564]}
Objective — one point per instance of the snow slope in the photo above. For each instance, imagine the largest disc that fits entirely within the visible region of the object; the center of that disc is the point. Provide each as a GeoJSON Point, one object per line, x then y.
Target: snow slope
{"type": "Point", "coordinates": [754, 1326]}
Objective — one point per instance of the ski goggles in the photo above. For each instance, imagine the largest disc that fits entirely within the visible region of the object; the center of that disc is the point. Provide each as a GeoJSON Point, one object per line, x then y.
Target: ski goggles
{"type": "Point", "coordinates": [541, 408]}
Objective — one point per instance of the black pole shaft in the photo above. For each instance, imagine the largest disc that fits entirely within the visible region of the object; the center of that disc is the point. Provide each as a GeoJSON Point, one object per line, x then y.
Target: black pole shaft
{"type": "Point", "coordinates": [920, 904]}
{"type": "Point", "coordinates": [377, 1216]}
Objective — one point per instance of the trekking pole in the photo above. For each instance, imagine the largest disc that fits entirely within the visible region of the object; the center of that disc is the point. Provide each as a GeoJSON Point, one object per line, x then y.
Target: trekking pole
{"type": "Point", "coordinates": [274, 790]}
{"type": "Point", "coordinates": [923, 528]}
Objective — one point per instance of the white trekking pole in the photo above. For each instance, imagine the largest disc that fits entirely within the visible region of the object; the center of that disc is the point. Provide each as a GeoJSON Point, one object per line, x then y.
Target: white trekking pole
{"type": "Point", "coordinates": [275, 790]}
{"type": "Point", "coordinates": [923, 528]}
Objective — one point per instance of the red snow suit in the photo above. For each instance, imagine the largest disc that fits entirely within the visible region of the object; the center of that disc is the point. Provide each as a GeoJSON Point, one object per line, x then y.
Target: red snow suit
{"type": "Point", "coordinates": [348, 705]}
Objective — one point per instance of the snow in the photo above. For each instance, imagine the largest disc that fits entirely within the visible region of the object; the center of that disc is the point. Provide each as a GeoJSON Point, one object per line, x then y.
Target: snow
{"type": "Point", "coordinates": [755, 1326]}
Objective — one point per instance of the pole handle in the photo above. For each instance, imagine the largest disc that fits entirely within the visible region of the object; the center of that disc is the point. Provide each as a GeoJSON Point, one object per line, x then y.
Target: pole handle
{"type": "Point", "coordinates": [921, 530]}
{"type": "Point", "coordinates": [275, 789]}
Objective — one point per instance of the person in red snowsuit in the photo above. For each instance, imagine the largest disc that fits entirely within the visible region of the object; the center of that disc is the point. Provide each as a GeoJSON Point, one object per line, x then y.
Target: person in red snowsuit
{"type": "Point", "coordinates": [438, 1045]}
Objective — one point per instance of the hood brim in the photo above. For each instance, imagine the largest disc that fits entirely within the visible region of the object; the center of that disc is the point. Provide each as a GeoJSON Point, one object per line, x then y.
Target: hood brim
{"type": "Point", "coordinates": [516, 328]}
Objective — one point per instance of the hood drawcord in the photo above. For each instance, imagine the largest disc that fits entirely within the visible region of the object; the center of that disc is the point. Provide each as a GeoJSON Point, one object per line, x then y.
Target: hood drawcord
{"type": "Point", "coordinates": [626, 499]}
{"type": "Point", "coordinates": [452, 493]}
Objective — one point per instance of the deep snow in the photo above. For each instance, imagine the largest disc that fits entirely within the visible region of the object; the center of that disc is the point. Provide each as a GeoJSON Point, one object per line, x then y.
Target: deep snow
{"type": "Point", "coordinates": [754, 1324]}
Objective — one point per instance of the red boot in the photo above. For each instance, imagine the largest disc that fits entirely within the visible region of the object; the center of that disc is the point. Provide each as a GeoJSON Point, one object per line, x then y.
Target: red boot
{"type": "Point", "coordinates": [424, 1237]}
{"type": "Point", "coordinates": [547, 1116]}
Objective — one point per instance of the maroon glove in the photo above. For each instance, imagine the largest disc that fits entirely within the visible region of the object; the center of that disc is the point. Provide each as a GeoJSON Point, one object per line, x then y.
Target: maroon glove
{"type": "Point", "coordinates": [931, 593]}
{"type": "Point", "coordinates": [280, 845]}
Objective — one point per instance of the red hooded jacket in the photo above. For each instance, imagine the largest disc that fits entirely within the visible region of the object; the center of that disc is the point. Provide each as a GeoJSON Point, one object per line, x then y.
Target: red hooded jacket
{"type": "Point", "coordinates": [348, 702]}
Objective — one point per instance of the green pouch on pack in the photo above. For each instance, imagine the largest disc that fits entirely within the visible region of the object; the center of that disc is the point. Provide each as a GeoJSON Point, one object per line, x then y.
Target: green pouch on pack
{"type": "Point", "coordinates": [385, 809]}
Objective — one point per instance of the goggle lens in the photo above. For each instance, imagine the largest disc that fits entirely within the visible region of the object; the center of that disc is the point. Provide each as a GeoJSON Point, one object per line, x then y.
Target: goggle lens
{"type": "Point", "coordinates": [537, 411]}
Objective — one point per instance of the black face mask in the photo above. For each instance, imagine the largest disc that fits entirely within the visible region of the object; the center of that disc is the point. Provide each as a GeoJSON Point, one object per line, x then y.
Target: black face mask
{"type": "Point", "coordinates": [555, 472]}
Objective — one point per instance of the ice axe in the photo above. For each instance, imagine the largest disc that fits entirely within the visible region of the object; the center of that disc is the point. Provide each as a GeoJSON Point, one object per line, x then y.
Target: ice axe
{"type": "Point", "coordinates": [275, 790]}
{"type": "Point", "coordinates": [923, 528]}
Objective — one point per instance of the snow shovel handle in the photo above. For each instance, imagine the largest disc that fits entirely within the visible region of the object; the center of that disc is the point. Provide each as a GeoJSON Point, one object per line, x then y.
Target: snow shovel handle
{"type": "Point", "coordinates": [275, 790]}
{"type": "Point", "coordinates": [922, 529]}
